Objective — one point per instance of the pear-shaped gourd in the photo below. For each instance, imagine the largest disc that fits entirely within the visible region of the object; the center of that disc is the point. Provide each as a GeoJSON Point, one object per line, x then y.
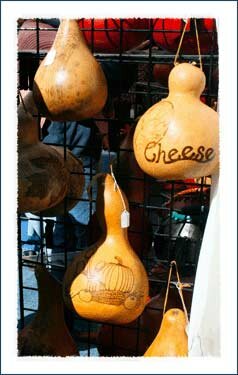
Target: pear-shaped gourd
{"type": "Point", "coordinates": [47, 333]}
{"type": "Point", "coordinates": [172, 339]}
{"type": "Point", "coordinates": [69, 84]}
{"type": "Point", "coordinates": [123, 340]}
{"type": "Point", "coordinates": [107, 282]}
{"type": "Point", "coordinates": [75, 184]}
{"type": "Point", "coordinates": [42, 176]}
{"type": "Point", "coordinates": [177, 138]}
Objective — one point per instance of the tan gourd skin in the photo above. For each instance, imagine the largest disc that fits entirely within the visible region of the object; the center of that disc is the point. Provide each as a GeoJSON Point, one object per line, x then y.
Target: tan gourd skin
{"type": "Point", "coordinates": [71, 85]}
{"type": "Point", "coordinates": [75, 184]}
{"type": "Point", "coordinates": [42, 176]}
{"type": "Point", "coordinates": [107, 282]}
{"type": "Point", "coordinates": [178, 129]}
{"type": "Point", "coordinates": [172, 339]}
{"type": "Point", "coordinates": [47, 333]}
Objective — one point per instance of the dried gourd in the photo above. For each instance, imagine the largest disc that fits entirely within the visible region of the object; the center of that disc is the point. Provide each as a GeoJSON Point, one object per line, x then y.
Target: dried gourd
{"type": "Point", "coordinates": [69, 83]}
{"type": "Point", "coordinates": [107, 282]}
{"type": "Point", "coordinates": [47, 334]}
{"type": "Point", "coordinates": [172, 339]}
{"type": "Point", "coordinates": [42, 176]}
{"type": "Point", "coordinates": [178, 137]}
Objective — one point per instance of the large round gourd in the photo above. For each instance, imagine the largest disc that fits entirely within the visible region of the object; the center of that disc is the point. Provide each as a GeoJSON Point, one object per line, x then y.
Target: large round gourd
{"type": "Point", "coordinates": [178, 137]}
{"type": "Point", "coordinates": [42, 176]}
{"type": "Point", "coordinates": [172, 339]}
{"type": "Point", "coordinates": [69, 84]}
{"type": "Point", "coordinates": [107, 282]}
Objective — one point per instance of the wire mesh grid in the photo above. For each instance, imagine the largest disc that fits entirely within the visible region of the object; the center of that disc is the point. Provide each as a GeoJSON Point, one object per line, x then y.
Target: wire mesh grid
{"type": "Point", "coordinates": [170, 216]}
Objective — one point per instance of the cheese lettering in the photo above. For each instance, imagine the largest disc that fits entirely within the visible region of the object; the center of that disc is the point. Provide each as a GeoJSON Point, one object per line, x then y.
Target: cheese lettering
{"type": "Point", "coordinates": [155, 154]}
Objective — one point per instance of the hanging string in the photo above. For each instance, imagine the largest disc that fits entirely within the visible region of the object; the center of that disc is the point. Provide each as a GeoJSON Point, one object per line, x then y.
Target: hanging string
{"type": "Point", "coordinates": [180, 42]}
{"type": "Point", "coordinates": [116, 187]}
{"type": "Point", "coordinates": [23, 102]}
{"type": "Point", "coordinates": [198, 43]}
{"type": "Point", "coordinates": [179, 286]}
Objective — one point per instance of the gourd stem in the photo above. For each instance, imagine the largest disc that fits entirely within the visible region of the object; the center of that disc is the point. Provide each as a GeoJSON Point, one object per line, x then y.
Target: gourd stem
{"type": "Point", "coordinates": [179, 286]}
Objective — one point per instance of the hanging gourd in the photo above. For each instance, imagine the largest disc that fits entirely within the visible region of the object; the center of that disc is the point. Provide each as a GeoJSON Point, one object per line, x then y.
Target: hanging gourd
{"type": "Point", "coordinates": [75, 184]}
{"type": "Point", "coordinates": [42, 176]}
{"type": "Point", "coordinates": [108, 282]}
{"type": "Point", "coordinates": [123, 340]}
{"type": "Point", "coordinates": [177, 138]}
{"type": "Point", "coordinates": [69, 83]}
{"type": "Point", "coordinates": [47, 334]}
{"type": "Point", "coordinates": [172, 339]}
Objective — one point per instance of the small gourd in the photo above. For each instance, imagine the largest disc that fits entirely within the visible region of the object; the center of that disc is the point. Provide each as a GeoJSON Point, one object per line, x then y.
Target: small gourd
{"type": "Point", "coordinates": [172, 339]}
{"type": "Point", "coordinates": [75, 185]}
{"type": "Point", "coordinates": [47, 334]}
{"type": "Point", "coordinates": [107, 282]}
{"type": "Point", "coordinates": [123, 340]}
{"type": "Point", "coordinates": [42, 176]}
{"type": "Point", "coordinates": [69, 83]}
{"type": "Point", "coordinates": [178, 137]}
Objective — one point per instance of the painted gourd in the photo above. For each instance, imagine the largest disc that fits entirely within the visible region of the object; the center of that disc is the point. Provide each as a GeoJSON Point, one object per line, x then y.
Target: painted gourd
{"type": "Point", "coordinates": [47, 334]}
{"type": "Point", "coordinates": [42, 176]}
{"type": "Point", "coordinates": [172, 339]}
{"type": "Point", "coordinates": [106, 33]}
{"type": "Point", "coordinates": [107, 282]}
{"type": "Point", "coordinates": [178, 137]}
{"type": "Point", "coordinates": [69, 83]}
{"type": "Point", "coordinates": [75, 184]}
{"type": "Point", "coordinates": [167, 34]}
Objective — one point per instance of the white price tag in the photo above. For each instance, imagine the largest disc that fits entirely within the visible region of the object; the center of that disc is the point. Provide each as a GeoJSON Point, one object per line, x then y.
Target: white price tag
{"type": "Point", "coordinates": [125, 219]}
{"type": "Point", "coordinates": [50, 57]}
{"type": "Point", "coordinates": [132, 113]}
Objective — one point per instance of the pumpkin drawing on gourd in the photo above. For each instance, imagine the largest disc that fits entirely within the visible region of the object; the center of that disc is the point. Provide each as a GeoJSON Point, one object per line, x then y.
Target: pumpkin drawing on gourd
{"type": "Point", "coordinates": [107, 282]}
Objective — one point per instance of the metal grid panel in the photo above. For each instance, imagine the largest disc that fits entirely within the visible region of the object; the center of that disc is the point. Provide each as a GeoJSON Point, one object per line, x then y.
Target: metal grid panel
{"type": "Point", "coordinates": [165, 229]}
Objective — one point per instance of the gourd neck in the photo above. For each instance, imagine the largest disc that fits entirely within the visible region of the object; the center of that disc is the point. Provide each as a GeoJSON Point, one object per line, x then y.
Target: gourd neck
{"type": "Point", "coordinates": [177, 95]}
{"type": "Point", "coordinates": [69, 31]}
{"type": "Point", "coordinates": [116, 232]}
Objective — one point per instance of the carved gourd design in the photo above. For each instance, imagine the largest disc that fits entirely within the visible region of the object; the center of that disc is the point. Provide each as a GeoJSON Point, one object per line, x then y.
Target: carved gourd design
{"type": "Point", "coordinates": [110, 283]}
{"type": "Point", "coordinates": [178, 137]}
{"type": "Point", "coordinates": [107, 282]}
